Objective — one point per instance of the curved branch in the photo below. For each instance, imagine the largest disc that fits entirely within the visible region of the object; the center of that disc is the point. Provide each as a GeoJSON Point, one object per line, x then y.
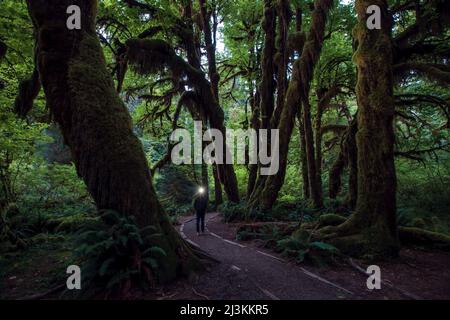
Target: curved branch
{"type": "Point", "coordinates": [436, 72]}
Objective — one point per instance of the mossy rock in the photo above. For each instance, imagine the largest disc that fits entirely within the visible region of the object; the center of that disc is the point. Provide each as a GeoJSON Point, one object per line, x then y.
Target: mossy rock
{"type": "Point", "coordinates": [331, 219]}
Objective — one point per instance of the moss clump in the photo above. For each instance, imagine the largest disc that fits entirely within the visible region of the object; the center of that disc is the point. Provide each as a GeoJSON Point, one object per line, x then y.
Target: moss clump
{"type": "Point", "coordinates": [417, 236]}
{"type": "Point", "coordinates": [70, 223]}
{"type": "Point", "coordinates": [331, 219]}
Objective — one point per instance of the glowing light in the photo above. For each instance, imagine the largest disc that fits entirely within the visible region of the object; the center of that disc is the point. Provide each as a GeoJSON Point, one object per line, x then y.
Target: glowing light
{"type": "Point", "coordinates": [201, 190]}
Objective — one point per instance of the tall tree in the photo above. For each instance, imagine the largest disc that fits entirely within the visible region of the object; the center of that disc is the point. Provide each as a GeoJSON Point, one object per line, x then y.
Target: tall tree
{"type": "Point", "coordinates": [372, 229]}
{"type": "Point", "coordinates": [298, 93]}
{"type": "Point", "coordinates": [96, 125]}
{"type": "Point", "coordinates": [210, 39]}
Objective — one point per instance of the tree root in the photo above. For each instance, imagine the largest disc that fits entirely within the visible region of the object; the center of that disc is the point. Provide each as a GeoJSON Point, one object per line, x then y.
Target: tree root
{"type": "Point", "coordinates": [417, 236]}
{"type": "Point", "coordinates": [204, 257]}
{"type": "Point", "coordinates": [349, 238]}
{"type": "Point", "coordinates": [326, 220]}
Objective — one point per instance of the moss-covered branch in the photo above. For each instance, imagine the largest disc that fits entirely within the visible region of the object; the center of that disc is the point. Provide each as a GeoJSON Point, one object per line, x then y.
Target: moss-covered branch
{"type": "Point", "coordinates": [28, 91]}
{"type": "Point", "coordinates": [152, 55]}
{"type": "Point", "coordinates": [435, 72]}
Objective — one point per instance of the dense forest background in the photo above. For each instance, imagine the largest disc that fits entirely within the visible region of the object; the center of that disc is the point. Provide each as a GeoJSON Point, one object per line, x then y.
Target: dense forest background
{"type": "Point", "coordinates": [363, 118]}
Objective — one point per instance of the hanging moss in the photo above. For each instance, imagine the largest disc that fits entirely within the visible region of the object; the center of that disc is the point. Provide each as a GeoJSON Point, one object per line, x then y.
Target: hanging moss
{"type": "Point", "coordinates": [28, 91]}
{"type": "Point", "coordinates": [296, 42]}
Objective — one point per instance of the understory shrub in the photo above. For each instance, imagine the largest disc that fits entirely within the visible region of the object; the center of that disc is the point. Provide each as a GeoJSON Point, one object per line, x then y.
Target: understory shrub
{"type": "Point", "coordinates": [115, 255]}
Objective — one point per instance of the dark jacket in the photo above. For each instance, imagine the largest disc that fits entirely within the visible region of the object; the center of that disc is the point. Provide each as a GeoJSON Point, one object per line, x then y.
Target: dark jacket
{"type": "Point", "coordinates": [200, 204]}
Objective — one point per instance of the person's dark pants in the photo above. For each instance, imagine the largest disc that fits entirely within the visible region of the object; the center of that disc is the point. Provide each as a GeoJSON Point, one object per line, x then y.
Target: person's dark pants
{"type": "Point", "coordinates": [201, 221]}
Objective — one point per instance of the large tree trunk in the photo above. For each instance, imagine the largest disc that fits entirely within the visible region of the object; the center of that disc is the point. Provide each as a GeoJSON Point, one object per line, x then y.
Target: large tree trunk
{"type": "Point", "coordinates": [225, 172]}
{"type": "Point", "coordinates": [298, 91]}
{"type": "Point", "coordinates": [352, 154]}
{"type": "Point", "coordinates": [214, 76]}
{"type": "Point", "coordinates": [96, 125]}
{"type": "Point", "coordinates": [303, 161]}
{"type": "Point", "coordinates": [254, 124]}
{"type": "Point", "coordinates": [218, 199]}
{"type": "Point", "coordinates": [324, 99]}
{"type": "Point", "coordinates": [372, 230]}
{"type": "Point", "coordinates": [347, 157]}
{"type": "Point", "coordinates": [376, 203]}
{"type": "Point", "coordinates": [313, 176]}
{"type": "Point", "coordinates": [214, 79]}
{"type": "Point", "coordinates": [267, 85]}
{"type": "Point", "coordinates": [281, 58]}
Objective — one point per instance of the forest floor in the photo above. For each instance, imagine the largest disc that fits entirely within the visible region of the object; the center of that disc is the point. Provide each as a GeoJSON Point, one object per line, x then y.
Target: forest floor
{"type": "Point", "coordinates": [248, 272]}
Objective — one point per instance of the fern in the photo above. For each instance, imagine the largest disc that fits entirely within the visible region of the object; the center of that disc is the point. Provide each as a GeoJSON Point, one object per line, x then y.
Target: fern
{"type": "Point", "coordinates": [116, 253]}
{"type": "Point", "coordinates": [300, 247]}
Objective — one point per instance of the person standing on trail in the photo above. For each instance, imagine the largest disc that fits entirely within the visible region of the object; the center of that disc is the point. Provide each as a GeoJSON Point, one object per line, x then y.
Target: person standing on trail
{"type": "Point", "coordinates": [200, 206]}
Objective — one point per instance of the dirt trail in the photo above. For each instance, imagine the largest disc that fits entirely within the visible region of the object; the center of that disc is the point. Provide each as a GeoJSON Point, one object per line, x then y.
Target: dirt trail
{"type": "Point", "coordinates": [257, 274]}
{"type": "Point", "coordinates": [247, 272]}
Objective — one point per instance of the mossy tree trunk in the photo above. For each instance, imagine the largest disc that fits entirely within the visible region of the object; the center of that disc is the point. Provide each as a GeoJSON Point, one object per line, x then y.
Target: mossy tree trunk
{"type": "Point", "coordinates": [218, 199]}
{"type": "Point", "coordinates": [313, 176]}
{"type": "Point", "coordinates": [304, 165]}
{"type": "Point", "coordinates": [376, 202]}
{"type": "Point", "coordinates": [347, 157]}
{"type": "Point", "coordinates": [225, 173]}
{"type": "Point", "coordinates": [97, 127]}
{"type": "Point", "coordinates": [334, 179]}
{"type": "Point", "coordinates": [267, 85]}
{"type": "Point", "coordinates": [254, 124]}
{"type": "Point", "coordinates": [372, 229]}
{"type": "Point", "coordinates": [282, 57]}
{"type": "Point", "coordinates": [324, 99]}
{"type": "Point", "coordinates": [352, 154]}
{"type": "Point", "coordinates": [303, 161]}
{"type": "Point", "coordinates": [298, 92]}
{"type": "Point", "coordinates": [214, 79]}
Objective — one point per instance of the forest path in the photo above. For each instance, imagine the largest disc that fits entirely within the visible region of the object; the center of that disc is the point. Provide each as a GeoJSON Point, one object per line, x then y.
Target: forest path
{"type": "Point", "coordinates": [255, 274]}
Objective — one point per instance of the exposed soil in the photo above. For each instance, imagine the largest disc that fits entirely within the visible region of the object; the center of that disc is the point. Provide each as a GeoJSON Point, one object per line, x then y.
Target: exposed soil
{"type": "Point", "coordinates": [248, 271]}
